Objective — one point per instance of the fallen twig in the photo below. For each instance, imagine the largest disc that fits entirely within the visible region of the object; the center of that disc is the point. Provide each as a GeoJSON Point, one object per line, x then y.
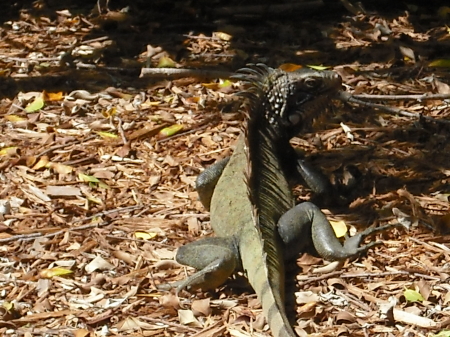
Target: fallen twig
{"type": "Point", "coordinates": [422, 97]}
{"type": "Point", "coordinates": [174, 73]}
{"type": "Point", "coordinates": [366, 275]}
{"type": "Point", "coordinates": [347, 97]}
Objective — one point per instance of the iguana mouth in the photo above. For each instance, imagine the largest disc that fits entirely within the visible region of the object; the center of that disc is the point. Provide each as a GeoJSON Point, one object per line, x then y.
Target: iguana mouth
{"type": "Point", "coordinates": [302, 116]}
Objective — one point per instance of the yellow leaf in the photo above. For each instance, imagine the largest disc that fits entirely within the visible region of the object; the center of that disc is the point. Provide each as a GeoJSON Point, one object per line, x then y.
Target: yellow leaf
{"type": "Point", "coordinates": [15, 118]}
{"type": "Point", "coordinates": [171, 130]}
{"type": "Point", "coordinates": [290, 67]}
{"type": "Point", "coordinates": [53, 96]}
{"type": "Point", "coordinates": [318, 67]}
{"type": "Point", "coordinates": [42, 162]}
{"type": "Point", "coordinates": [9, 151]}
{"type": "Point", "coordinates": [8, 305]}
{"type": "Point", "coordinates": [49, 273]}
{"type": "Point", "coordinates": [339, 227]}
{"type": "Point", "coordinates": [166, 62]}
{"type": "Point", "coordinates": [440, 63]}
{"type": "Point", "coordinates": [107, 135]}
{"type": "Point", "coordinates": [223, 36]}
{"type": "Point", "coordinates": [145, 235]}
{"type": "Point", "coordinates": [36, 105]}
{"type": "Point", "coordinates": [109, 113]}
{"type": "Point", "coordinates": [212, 85]}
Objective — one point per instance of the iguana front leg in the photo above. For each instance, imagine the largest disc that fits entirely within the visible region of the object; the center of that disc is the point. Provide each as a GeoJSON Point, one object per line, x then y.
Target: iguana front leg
{"type": "Point", "coordinates": [305, 226]}
{"type": "Point", "coordinates": [328, 193]}
{"type": "Point", "coordinates": [207, 181]}
{"type": "Point", "coordinates": [299, 170]}
{"type": "Point", "coordinates": [215, 259]}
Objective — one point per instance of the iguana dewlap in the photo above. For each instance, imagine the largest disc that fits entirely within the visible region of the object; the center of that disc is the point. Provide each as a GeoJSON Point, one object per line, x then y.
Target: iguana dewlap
{"type": "Point", "coordinates": [256, 223]}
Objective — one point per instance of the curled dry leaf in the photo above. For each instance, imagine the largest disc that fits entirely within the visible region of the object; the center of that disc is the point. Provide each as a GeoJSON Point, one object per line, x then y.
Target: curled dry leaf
{"type": "Point", "coordinates": [98, 263]}
{"type": "Point", "coordinates": [202, 307]}
{"type": "Point", "coordinates": [344, 317]}
{"type": "Point", "coordinates": [133, 324]}
{"type": "Point", "coordinates": [187, 317]}
{"type": "Point", "coordinates": [303, 297]}
{"type": "Point", "coordinates": [169, 301]}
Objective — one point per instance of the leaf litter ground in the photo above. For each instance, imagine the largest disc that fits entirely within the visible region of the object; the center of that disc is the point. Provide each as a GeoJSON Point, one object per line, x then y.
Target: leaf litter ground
{"type": "Point", "coordinates": [98, 167]}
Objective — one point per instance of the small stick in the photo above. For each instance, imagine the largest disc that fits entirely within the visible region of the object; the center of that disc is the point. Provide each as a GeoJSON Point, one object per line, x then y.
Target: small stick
{"type": "Point", "coordinates": [347, 97]}
{"type": "Point", "coordinates": [174, 73]}
{"type": "Point", "coordinates": [422, 97]}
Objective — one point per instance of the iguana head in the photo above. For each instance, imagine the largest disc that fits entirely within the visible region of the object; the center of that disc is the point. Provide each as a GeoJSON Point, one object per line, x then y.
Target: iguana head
{"type": "Point", "coordinates": [288, 101]}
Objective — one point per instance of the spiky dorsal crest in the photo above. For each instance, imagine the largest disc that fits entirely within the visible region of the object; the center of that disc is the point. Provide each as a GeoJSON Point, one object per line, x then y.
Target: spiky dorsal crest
{"type": "Point", "coordinates": [268, 190]}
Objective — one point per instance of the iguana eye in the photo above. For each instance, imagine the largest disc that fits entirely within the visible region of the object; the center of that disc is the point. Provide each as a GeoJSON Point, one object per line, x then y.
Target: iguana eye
{"type": "Point", "coordinates": [311, 82]}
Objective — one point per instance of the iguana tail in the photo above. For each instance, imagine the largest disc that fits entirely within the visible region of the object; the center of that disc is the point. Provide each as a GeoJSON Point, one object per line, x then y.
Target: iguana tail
{"type": "Point", "coordinates": [267, 280]}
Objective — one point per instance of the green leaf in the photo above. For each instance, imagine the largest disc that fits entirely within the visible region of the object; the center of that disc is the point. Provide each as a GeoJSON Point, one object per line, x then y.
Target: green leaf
{"type": "Point", "coordinates": [86, 178]}
{"type": "Point", "coordinates": [440, 63]}
{"type": "Point", "coordinates": [166, 62]}
{"type": "Point", "coordinates": [103, 185]}
{"type": "Point", "coordinates": [443, 333]}
{"type": "Point", "coordinates": [171, 130]}
{"type": "Point", "coordinates": [36, 105]}
{"type": "Point", "coordinates": [106, 135]}
{"type": "Point", "coordinates": [412, 295]}
{"type": "Point", "coordinates": [225, 84]}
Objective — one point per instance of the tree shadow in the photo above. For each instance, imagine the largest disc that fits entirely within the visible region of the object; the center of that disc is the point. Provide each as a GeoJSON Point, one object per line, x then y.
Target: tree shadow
{"type": "Point", "coordinates": [301, 37]}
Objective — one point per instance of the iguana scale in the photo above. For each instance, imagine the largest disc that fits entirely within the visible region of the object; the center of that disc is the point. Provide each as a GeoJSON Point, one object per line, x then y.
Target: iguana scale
{"type": "Point", "coordinates": [256, 223]}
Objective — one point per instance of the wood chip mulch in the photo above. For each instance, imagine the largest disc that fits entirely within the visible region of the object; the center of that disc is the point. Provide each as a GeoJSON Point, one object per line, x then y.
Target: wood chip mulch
{"type": "Point", "coordinates": [98, 166]}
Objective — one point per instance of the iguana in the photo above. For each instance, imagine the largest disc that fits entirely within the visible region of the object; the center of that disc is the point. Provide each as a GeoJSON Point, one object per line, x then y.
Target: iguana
{"type": "Point", "coordinates": [252, 207]}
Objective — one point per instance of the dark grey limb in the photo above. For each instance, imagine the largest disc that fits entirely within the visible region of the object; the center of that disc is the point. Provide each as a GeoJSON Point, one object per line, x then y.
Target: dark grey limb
{"type": "Point", "coordinates": [207, 181]}
{"type": "Point", "coordinates": [305, 224]}
{"type": "Point", "coordinates": [214, 258]}
{"type": "Point", "coordinates": [314, 178]}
